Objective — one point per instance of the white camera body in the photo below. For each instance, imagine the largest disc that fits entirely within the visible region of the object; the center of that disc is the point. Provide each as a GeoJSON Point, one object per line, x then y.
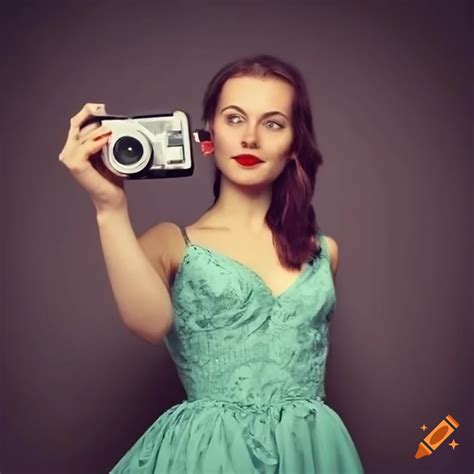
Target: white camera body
{"type": "Point", "coordinates": [148, 146]}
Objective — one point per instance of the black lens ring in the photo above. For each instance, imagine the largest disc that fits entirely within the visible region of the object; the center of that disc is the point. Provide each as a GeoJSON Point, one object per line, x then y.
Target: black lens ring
{"type": "Point", "coordinates": [128, 150]}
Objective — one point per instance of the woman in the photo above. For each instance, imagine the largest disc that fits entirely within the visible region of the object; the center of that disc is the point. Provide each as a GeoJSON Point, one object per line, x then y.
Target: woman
{"type": "Point", "coordinates": [244, 297]}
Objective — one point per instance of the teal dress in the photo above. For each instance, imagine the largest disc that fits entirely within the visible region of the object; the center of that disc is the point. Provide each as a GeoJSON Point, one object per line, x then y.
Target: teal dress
{"type": "Point", "coordinates": [253, 366]}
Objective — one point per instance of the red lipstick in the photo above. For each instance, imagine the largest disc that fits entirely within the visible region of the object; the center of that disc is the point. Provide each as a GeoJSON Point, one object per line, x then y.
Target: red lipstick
{"type": "Point", "coordinates": [247, 160]}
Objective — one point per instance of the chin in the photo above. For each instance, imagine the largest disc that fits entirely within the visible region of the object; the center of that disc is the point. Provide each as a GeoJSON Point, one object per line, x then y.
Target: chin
{"type": "Point", "coordinates": [241, 179]}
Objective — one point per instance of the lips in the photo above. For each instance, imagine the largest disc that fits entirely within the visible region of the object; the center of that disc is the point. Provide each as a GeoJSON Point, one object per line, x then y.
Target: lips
{"type": "Point", "coordinates": [247, 159]}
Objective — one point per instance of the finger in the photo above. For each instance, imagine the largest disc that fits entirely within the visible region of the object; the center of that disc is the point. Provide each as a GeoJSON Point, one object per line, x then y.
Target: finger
{"type": "Point", "coordinates": [92, 147]}
{"type": "Point", "coordinates": [86, 111]}
{"type": "Point", "coordinates": [99, 132]}
{"type": "Point", "coordinates": [86, 148]}
{"type": "Point", "coordinates": [84, 131]}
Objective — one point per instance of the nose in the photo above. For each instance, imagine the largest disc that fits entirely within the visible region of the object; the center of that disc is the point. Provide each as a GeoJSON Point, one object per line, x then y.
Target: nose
{"type": "Point", "coordinates": [250, 139]}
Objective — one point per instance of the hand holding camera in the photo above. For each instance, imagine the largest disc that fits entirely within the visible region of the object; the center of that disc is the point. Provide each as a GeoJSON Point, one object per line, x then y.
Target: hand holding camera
{"type": "Point", "coordinates": [103, 150]}
{"type": "Point", "coordinates": [83, 144]}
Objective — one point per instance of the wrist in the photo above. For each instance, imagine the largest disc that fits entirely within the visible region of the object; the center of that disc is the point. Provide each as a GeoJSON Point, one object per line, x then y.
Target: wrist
{"type": "Point", "coordinates": [106, 214]}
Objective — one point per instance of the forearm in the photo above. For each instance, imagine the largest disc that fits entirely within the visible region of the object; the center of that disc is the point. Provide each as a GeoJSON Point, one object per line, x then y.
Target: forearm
{"type": "Point", "coordinates": [139, 292]}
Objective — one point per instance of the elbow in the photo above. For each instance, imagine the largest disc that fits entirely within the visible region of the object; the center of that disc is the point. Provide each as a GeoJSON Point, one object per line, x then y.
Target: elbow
{"type": "Point", "coordinates": [152, 336]}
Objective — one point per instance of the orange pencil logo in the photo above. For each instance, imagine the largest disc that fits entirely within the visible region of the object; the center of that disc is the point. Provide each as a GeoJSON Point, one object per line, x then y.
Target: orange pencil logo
{"type": "Point", "coordinates": [436, 437]}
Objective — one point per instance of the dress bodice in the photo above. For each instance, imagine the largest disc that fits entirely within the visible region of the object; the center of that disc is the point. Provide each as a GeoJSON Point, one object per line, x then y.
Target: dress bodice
{"type": "Point", "coordinates": [232, 339]}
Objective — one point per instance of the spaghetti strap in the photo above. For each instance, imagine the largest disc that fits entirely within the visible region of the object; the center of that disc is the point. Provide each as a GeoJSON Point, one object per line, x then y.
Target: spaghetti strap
{"type": "Point", "coordinates": [324, 246]}
{"type": "Point", "coordinates": [185, 235]}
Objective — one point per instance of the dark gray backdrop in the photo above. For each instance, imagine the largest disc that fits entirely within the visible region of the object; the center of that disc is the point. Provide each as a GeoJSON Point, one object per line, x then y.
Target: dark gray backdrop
{"type": "Point", "coordinates": [391, 96]}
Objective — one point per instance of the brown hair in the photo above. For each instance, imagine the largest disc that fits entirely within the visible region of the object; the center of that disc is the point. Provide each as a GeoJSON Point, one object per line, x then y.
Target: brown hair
{"type": "Point", "coordinates": [291, 216]}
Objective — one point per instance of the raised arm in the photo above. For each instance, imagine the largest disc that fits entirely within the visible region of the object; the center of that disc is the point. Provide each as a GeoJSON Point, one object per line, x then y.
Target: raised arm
{"type": "Point", "coordinates": [138, 272]}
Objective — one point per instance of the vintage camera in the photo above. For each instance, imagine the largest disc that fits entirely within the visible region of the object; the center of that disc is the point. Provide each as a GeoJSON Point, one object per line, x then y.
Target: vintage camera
{"type": "Point", "coordinates": [148, 146]}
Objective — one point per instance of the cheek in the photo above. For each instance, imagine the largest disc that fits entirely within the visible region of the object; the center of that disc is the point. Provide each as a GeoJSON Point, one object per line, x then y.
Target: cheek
{"type": "Point", "coordinates": [280, 149]}
{"type": "Point", "coordinates": [225, 147]}
{"type": "Point", "coordinates": [219, 139]}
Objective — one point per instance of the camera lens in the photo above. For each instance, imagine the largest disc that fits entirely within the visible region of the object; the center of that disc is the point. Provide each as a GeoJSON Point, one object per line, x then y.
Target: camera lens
{"type": "Point", "coordinates": [128, 150]}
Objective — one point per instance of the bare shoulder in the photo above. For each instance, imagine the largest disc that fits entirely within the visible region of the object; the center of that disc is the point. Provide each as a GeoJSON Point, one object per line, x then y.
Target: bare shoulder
{"type": "Point", "coordinates": [161, 245]}
{"type": "Point", "coordinates": [333, 249]}
{"type": "Point", "coordinates": [162, 232]}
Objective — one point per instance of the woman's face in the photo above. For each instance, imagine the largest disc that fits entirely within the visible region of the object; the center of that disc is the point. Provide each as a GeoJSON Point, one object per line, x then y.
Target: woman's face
{"type": "Point", "coordinates": [249, 130]}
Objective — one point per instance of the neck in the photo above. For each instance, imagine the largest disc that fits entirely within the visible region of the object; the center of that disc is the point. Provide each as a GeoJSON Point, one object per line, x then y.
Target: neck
{"type": "Point", "coordinates": [242, 208]}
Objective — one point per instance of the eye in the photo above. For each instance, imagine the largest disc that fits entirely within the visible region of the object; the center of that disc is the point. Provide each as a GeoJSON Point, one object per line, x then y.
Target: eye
{"type": "Point", "coordinates": [276, 123]}
{"type": "Point", "coordinates": [231, 117]}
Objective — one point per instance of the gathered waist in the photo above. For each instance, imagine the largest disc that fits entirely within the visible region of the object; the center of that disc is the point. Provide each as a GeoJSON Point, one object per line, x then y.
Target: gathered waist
{"type": "Point", "coordinates": [263, 404]}
{"type": "Point", "coordinates": [262, 425]}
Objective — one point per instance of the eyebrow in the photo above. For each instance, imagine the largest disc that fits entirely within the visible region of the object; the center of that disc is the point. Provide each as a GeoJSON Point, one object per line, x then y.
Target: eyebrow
{"type": "Point", "coordinates": [266, 114]}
